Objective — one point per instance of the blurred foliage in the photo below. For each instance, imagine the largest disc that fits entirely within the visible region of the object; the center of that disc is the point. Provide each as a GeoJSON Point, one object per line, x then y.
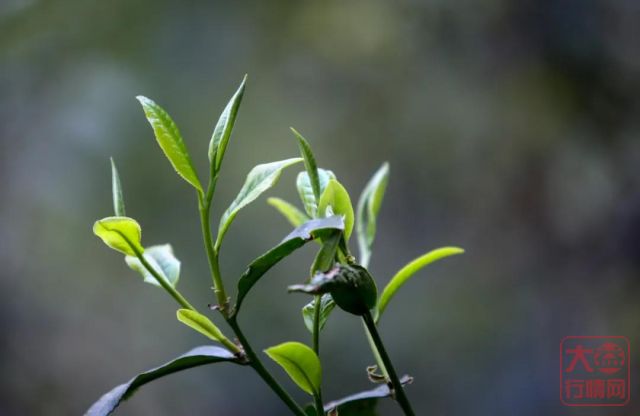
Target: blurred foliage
{"type": "Point", "coordinates": [511, 129]}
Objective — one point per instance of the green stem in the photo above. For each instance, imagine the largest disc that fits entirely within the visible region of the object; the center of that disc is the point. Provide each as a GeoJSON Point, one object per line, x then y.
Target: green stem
{"type": "Point", "coordinates": [398, 390]}
{"type": "Point", "coordinates": [257, 365]}
{"type": "Point", "coordinates": [316, 324]}
{"type": "Point", "coordinates": [376, 354]}
{"type": "Point", "coordinates": [165, 285]}
{"type": "Point", "coordinates": [204, 206]}
{"type": "Point", "coordinates": [317, 398]}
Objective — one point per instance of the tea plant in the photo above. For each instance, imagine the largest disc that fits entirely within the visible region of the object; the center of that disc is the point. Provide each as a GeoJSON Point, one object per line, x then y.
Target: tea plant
{"type": "Point", "coordinates": [336, 278]}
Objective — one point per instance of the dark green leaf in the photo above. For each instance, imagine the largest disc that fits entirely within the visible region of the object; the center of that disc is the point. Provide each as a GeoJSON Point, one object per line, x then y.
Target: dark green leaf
{"type": "Point", "coordinates": [289, 211]}
{"type": "Point", "coordinates": [162, 260]}
{"type": "Point", "coordinates": [400, 278]}
{"type": "Point", "coordinates": [170, 141]}
{"type": "Point", "coordinates": [298, 237]}
{"type": "Point", "coordinates": [336, 197]}
{"type": "Point", "coordinates": [300, 363]}
{"type": "Point", "coordinates": [118, 199]}
{"type": "Point", "coordinates": [305, 189]}
{"type": "Point", "coordinates": [368, 208]}
{"type": "Point", "coordinates": [363, 403]}
{"type": "Point", "coordinates": [224, 127]}
{"type": "Point", "coordinates": [351, 286]}
{"type": "Point", "coordinates": [326, 306]}
{"type": "Point", "coordinates": [194, 358]}
{"type": "Point", "coordinates": [120, 233]}
{"type": "Point", "coordinates": [309, 163]}
{"type": "Point", "coordinates": [259, 180]}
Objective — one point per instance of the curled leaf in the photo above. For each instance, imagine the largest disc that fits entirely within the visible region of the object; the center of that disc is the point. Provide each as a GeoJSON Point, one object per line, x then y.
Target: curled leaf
{"type": "Point", "coordinates": [162, 260]}
{"type": "Point", "coordinates": [351, 287]}
{"type": "Point", "coordinates": [300, 363]}
{"type": "Point", "coordinates": [365, 399]}
{"type": "Point", "coordinates": [401, 277]}
{"type": "Point", "coordinates": [367, 211]}
{"type": "Point", "coordinates": [308, 311]}
{"type": "Point", "coordinates": [305, 189]}
{"type": "Point", "coordinates": [120, 233]}
{"type": "Point", "coordinates": [118, 199]}
{"type": "Point", "coordinates": [224, 127]}
{"type": "Point", "coordinates": [336, 197]}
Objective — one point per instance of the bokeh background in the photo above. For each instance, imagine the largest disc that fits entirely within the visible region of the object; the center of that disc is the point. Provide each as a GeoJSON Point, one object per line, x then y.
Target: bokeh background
{"type": "Point", "coordinates": [512, 130]}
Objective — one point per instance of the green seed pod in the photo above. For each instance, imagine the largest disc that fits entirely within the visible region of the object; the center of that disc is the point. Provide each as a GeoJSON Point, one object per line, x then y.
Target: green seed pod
{"type": "Point", "coordinates": [351, 287]}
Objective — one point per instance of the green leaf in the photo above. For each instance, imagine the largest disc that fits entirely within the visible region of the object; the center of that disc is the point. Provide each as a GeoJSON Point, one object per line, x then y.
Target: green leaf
{"type": "Point", "coordinates": [200, 323]}
{"type": "Point", "coordinates": [162, 260]}
{"type": "Point", "coordinates": [224, 127]}
{"type": "Point", "coordinates": [309, 163]}
{"type": "Point", "coordinates": [326, 306]}
{"type": "Point", "coordinates": [363, 403]}
{"type": "Point", "coordinates": [368, 208]}
{"type": "Point", "coordinates": [170, 141]}
{"type": "Point", "coordinates": [336, 197]}
{"type": "Point", "coordinates": [296, 239]}
{"type": "Point", "coordinates": [289, 211]}
{"type": "Point", "coordinates": [120, 233]}
{"type": "Point", "coordinates": [325, 259]}
{"type": "Point", "coordinates": [196, 357]}
{"type": "Point", "coordinates": [305, 189]}
{"type": "Point", "coordinates": [300, 363]}
{"type": "Point", "coordinates": [259, 180]}
{"type": "Point", "coordinates": [118, 199]}
{"type": "Point", "coordinates": [409, 270]}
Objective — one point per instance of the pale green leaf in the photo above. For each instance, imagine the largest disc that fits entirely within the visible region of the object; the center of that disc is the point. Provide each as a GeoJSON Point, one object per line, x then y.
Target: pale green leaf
{"type": "Point", "coordinates": [409, 270]}
{"type": "Point", "coordinates": [368, 208]}
{"type": "Point", "coordinates": [170, 141]}
{"type": "Point", "coordinates": [336, 197]}
{"type": "Point", "coordinates": [326, 306]}
{"type": "Point", "coordinates": [259, 180]}
{"type": "Point", "coordinates": [300, 363]}
{"type": "Point", "coordinates": [289, 211]}
{"type": "Point", "coordinates": [224, 127]}
{"type": "Point", "coordinates": [309, 163]}
{"type": "Point", "coordinates": [200, 323]}
{"type": "Point", "coordinates": [305, 189]}
{"type": "Point", "coordinates": [120, 233]}
{"type": "Point", "coordinates": [162, 260]}
{"type": "Point", "coordinates": [118, 199]}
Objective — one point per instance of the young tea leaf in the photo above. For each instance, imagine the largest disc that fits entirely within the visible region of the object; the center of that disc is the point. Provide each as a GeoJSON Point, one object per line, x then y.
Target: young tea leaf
{"type": "Point", "coordinates": [118, 199]}
{"type": "Point", "coordinates": [309, 163]}
{"type": "Point", "coordinates": [336, 197]}
{"type": "Point", "coordinates": [201, 324]}
{"type": "Point", "coordinates": [368, 208]}
{"type": "Point", "coordinates": [289, 211]}
{"type": "Point", "coordinates": [401, 277]}
{"type": "Point", "coordinates": [162, 260]}
{"type": "Point", "coordinates": [194, 358]}
{"type": "Point", "coordinates": [224, 127]}
{"type": "Point", "coordinates": [300, 363]}
{"type": "Point", "coordinates": [296, 239]}
{"type": "Point", "coordinates": [259, 180]}
{"type": "Point", "coordinates": [170, 141]}
{"type": "Point", "coordinates": [305, 189]}
{"type": "Point", "coordinates": [326, 306]}
{"type": "Point", "coordinates": [120, 233]}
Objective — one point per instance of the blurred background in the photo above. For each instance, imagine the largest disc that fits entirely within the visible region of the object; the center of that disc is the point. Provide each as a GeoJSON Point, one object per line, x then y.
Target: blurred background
{"type": "Point", "coordinates": [512, 130]}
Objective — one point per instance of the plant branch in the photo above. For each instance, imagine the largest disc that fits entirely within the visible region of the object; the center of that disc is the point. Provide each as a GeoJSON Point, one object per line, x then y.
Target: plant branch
{"type": "Point", "coordinates": [257, 365]}
{"type": "Point", "coordinates": [398, 390]}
